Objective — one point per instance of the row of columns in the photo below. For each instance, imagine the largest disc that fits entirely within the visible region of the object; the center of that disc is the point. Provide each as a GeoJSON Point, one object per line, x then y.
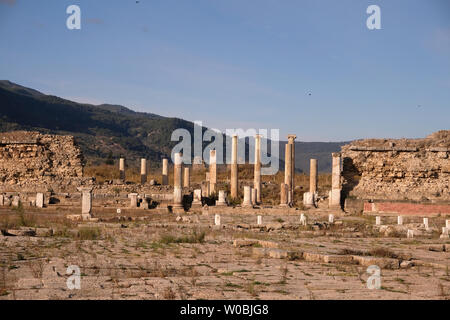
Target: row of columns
{"type": "Point", "coordinates": [165, 172]}
{"type": "Point", "coordinates": [289, 171]}
{"type": "Point", "coordinates": [286, 189]}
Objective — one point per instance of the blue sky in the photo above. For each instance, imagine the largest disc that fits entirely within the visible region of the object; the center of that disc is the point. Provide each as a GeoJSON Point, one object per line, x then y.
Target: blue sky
{"type": "Point", "coordinates": [243, 64]}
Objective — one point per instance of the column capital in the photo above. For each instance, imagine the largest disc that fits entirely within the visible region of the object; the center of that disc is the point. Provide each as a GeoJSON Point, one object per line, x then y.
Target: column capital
{"type": "Point", "coordinates": [336, 154]}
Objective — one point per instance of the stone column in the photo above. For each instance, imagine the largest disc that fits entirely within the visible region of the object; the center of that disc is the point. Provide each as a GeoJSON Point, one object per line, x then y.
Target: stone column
{"type": "Point", "coordinates": [86, 202]}
{"type": "Point", "coordinates": [122, 169]}
{"type": "Point", "coordinates": [133, 200]}
{"type": "Point", "coordinates": [205, 189]}
{"type": "Point", "coordinates": [257, 172]}
{"type": "Point", "coordinates": [2, 200]}
{"type": "Point", "coordinates": [165, 172]}
{"type": "Point", "coordinates": [197, 201]}
{"type": "Point", "coordinates": [178, 189]}
{"type": "Point", "coordinates": [234, 168]}
{"type": "Point", "coordinates": [378, 221]}
{"type": "Point", "coordinates": [247, 197]}
{"type": "Point", "coordinates": [291, 141]}
{"type": "Point", "coordinates": [283, 195]}
{"type": "Point", "coordinates": [259, 220]}
{"type": "Point", "coordinates": [313, 176]}
{"type": "Point", "coordinates": [444, 234]}
{"type": "Point", "coordinates": [253, 196]}
{"type": "Point", "coordinates": [217, 220]}
{"type": "Point", "coordinates": [40, 200]}
{"type": "Point", "coordinates": [410, 234]}
{"type": "Point", "coordinates": [335, 193]}
{"type": "Point", "coordinates": [288, 171]}
{"type": "Point", "coordinates": [425, 223]}
{"type": "Point", "coordinates": [222, 199]}
{"type": "Point", "coordinates": [309, 198]}
{"type": "Point", "coordinates": [187, 178]}
{"type": "Point", "coordinates": [143, 171]}
{"type": "Point", "coordinates": [212, 171]}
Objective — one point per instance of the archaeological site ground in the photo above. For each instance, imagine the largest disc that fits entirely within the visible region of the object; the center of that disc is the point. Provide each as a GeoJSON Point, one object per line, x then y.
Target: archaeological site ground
{"type": "Point", "coordinates": [375, 227]}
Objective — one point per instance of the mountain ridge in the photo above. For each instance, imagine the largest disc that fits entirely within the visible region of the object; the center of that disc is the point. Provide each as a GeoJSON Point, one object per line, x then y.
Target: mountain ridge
{"type": "Point", "coordinates": [108, 131]}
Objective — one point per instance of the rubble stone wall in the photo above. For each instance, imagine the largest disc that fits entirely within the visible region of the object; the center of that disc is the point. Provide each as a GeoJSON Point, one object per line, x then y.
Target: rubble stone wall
{"type": "Point", "coordinates": [28, 158]}
{"type": "Point", "coordinates": [416, 170]}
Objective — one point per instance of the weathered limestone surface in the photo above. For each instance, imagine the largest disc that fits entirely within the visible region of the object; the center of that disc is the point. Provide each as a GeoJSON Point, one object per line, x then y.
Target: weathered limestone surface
{"type": "Point", "coordinates": [212, 171]}
{"type": "Point", "coordinates": [178, 190]}
{"type": "Point", "coordinates": [283, 195]}
{"type": "Point", "coordinates": [313, 176]}
{"type": "Point", "coordinates": [165, 172]}
{"type": "Point", "coordinates": [247, 197]}
{"type": "Point", "coordinates": [29, 158]}
{"type": "Point", "coordinates": [187, 178]}
{"type": "Point", "coordinates": [197, 200]}
{"type": "Point", "coordinates": [222, 199]}
{"type": "Point", "coordinates": [291, 141]}
{"type": "Point", "coordinates": [288, 171]}
{"type": "Point", "coordinates": [122, 169]}
{"type": "Point", "coordinates": [335, 193]}
{"type": "Point", "coordinates": [143, 171]}
{"type": "Point", "coordinates": [40, 200]}
{"type": "Point", "coordinates": [234, 168]}
{"type": "Point", "coordinates": [257, 171]}
{"type": "Point", "coordinates": [404, 169]}
{"type": "Point", "coordinates": [86, 202]}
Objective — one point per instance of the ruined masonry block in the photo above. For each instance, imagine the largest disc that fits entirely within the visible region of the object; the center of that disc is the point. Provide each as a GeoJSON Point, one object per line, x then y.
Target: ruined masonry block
{"type": "Point", "coordinates": [40, 200]}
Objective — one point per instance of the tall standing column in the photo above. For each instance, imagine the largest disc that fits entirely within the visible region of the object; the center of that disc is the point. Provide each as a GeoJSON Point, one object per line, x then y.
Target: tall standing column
{"type": "Point", "coordinates": [143, 171]}
{"type": "Point", "coordinates": [187, 178]}
{"type": "Point", "coordinates": [212, 171]}
{"type": "Point", "coordinates": [122, 169]}
{"type": "Point", "coordinates": [257, 173]}
{"type": "Point", "coordinates": [283, 195]}
{"type": "Point", "coordinates": [165, 172]}
{"type": "Point", "coordinates": [309, 198]}
{"type": "Point", "coordinates": [313, 176]}
{"type": "Point", "coordinates": [291, 141]}
{"type": "Point", "coordinates": [234, 167]}
{"type": "Point", "coordinates": [288, 171]}
{"type": "Point", "coordinates": [335, 193]}
{"type": "Point", "coordinates": [177, 188]}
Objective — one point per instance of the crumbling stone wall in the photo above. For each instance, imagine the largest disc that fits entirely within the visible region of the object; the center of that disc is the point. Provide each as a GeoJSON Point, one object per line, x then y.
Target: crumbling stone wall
{"type": "Point", "coordinates": [404, 169]}
{"type": "Point", "coordinates": [28, 158]}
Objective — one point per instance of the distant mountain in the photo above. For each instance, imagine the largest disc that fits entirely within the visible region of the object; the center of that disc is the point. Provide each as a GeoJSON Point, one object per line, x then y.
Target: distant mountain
{"type": "Point", "coordinates": [109, 131]}
{"type": "Point", "coordinates": [304, 151]}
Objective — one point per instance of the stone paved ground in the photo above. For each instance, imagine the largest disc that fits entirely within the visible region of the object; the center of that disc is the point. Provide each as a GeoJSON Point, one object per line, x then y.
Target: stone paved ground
{"type": "Point", "coordinates": [157, 257]}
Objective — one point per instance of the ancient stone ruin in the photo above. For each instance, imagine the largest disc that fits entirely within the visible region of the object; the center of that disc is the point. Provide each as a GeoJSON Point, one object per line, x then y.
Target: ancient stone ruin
{"type": "Point", "coordinates": [32, 158]}
{"type": "Point", "coordinates": [398, 175]}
